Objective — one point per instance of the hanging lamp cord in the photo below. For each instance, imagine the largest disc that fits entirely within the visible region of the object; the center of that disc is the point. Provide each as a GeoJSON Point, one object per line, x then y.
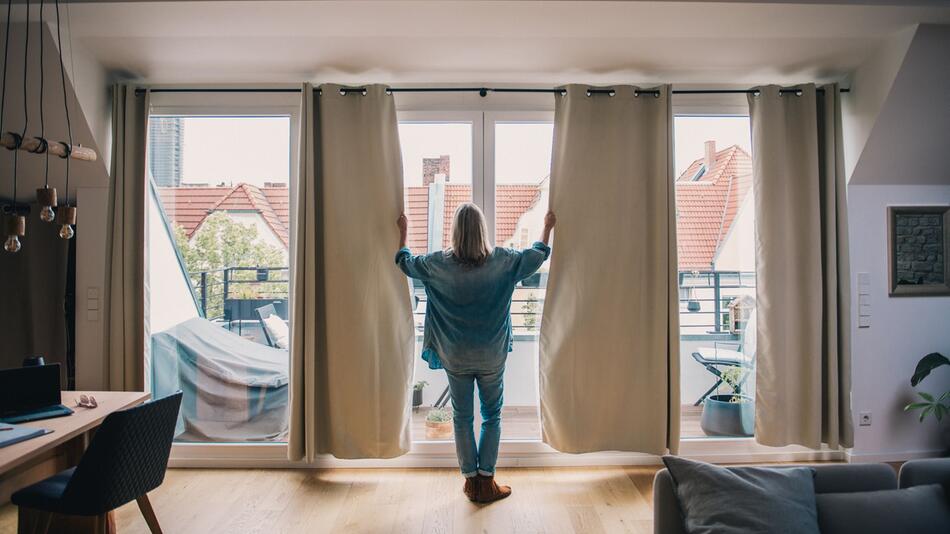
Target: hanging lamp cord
{"type": "Point", "coordinates": [69, 128]}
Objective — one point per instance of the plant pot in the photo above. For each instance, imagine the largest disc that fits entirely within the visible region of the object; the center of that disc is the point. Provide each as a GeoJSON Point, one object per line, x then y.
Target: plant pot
{"type": "Point", "coordinates": [439, 430]}
{"type": "Point", "coordinates": [722, 417]}
{"type": "Point", "coordinates": [416, 398]}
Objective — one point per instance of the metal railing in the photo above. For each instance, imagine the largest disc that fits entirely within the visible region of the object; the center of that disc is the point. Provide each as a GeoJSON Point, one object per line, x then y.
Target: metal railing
{"type": "Point", "coordinates": [709, 293]}
{"type": "Point", "coordinates": [216, 287]}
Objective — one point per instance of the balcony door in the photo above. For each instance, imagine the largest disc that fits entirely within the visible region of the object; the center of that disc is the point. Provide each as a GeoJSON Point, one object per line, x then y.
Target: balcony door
{"type": "Point", "coordinates": [501, 162]}
{"type": "Point", "coordinates": [220, 170]}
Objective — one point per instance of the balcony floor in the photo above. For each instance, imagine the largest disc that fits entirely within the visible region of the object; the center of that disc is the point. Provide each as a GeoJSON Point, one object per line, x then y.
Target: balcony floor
{"type": "Point", "coordinates": [523, 423]}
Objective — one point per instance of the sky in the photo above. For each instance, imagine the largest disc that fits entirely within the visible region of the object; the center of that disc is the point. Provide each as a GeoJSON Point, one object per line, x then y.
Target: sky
{"type": "Point", "coordinates": [253, 150]}
{"type": "Point", "coordinates": [216, 148]}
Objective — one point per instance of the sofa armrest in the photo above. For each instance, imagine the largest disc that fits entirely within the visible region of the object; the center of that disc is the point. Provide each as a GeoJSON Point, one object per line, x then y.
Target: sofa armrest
{"type": "Point", "coordinates": [927, 471]}
{"type": "Point", "coordinates": [667, 515]}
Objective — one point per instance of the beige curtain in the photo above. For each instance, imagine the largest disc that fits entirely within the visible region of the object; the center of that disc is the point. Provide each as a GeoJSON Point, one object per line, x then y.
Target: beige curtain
{"type": "Point", "coordinates": [803, 360]}
{"type": "Point", "coordinates": [609, 333]}
{"type": "Point", "coordinates": [353, 336]}
{"type": "Point", "coordinates": [125, 243]}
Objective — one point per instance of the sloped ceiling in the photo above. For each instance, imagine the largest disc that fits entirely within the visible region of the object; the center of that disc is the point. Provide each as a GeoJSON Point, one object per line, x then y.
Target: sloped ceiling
{"type": "Point", "coordinates": [909, 141]}
{"type": "Point", "coordinates": [31, 167]}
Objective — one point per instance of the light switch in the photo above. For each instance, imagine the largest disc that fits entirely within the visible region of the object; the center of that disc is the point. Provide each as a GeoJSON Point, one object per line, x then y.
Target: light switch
{"type": "Point", "coordinates": [864, 311]}
{"type": "Point", "coordinates": [864, 283]}
{"type": "Point", "coordinates": [92, 304]}
{"type": "Point", "coordinates": [864, 300]}
{"type": "Point", "coordinates": [92, 292]}
{"type": "Point", "coordinates": [864, 321]}
{"type": "Point", "coordinates": [92, 315]}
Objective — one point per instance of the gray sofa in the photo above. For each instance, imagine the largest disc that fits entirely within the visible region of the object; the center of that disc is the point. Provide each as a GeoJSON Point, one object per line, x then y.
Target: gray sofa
{"type": "Point", "coordinates": [829, 478]}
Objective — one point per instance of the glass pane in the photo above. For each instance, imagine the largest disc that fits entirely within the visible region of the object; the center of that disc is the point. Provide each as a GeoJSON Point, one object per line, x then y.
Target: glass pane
{"type": "Point", "coordinates": [437, 172]}
{"type": "Point", "coordinates": [217, 273]}
{"type": "Point", "coordinates": [715, 242]}
{"type": "Point", "coordinates": [522, 172]}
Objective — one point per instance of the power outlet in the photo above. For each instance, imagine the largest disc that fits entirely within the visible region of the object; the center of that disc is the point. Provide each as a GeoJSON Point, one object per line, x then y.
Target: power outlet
{"type": "Point", "coordinates": [864, 419]}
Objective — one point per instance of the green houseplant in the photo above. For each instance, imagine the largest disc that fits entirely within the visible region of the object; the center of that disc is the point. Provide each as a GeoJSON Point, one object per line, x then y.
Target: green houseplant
{"type": "Point", "coordinates": [439, 423]}
{"type": "Point", "coordinates": [931, 404]}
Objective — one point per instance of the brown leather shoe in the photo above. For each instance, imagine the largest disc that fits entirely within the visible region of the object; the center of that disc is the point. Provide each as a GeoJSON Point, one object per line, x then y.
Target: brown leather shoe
{"type": "Point", "coordinates": [489, 491]}
{"type": "Point", "coordinates": [470, 489]}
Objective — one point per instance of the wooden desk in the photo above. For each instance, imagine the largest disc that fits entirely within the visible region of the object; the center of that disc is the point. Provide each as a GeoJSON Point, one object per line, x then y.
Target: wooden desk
{"type": "Point", "coordinates": [24, 463]}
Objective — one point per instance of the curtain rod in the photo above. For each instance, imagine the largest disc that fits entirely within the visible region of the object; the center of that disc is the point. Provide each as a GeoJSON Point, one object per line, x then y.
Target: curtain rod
{"type": "Point", "coordinates": [482, 91]}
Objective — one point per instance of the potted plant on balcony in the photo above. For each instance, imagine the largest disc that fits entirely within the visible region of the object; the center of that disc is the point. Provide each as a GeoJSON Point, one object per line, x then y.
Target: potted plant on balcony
{"type": "Point", "coordinates": [932, 404]}
{"type": "Point", "coordinates": [439, 423]}
{"type": "Point", "coordinates": [417, 393]}
{"type": "Point", "coordinates": [729, 414]}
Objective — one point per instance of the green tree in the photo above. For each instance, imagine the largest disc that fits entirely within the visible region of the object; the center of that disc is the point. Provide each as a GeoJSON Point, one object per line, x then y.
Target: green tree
{"type": "Point", "coordinates": [221, 242]}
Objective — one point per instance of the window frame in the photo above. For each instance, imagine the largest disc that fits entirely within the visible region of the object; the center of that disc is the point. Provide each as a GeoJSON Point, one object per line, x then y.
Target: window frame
{"type": "Point", "coordinates": [453, 107]}
{"type": "Point", "coordinates": [233, 104]}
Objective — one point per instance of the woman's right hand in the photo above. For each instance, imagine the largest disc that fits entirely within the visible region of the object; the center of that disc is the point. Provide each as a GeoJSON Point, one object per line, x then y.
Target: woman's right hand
{"type": "Point", "coordinates": [402, 223]}
{"type": "Point", "coordinates": [550, 220]}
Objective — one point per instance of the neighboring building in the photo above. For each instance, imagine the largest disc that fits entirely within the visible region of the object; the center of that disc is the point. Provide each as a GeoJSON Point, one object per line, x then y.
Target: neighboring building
{"type": "Point", "coordinates": [430, 228]}
{"type": "Point", "coordinates": [714, 212]}
{"type": "Point", "coordinates": [166, 136]}
{"type": "Point", "coordinates": [267, 208]}
{"type": "Point", "coordinates": [432, 167]}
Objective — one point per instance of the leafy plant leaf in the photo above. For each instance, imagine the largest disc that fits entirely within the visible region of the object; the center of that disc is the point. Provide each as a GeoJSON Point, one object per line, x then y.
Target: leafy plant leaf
{"type": "Point", "coordinates": [926, 396]}
{"type": "Point", "coordinates": [927, 364]}
{"type": "Point", "coordinates": [924, 413]}
{"type": "Point", "coordinates": [916, 406]}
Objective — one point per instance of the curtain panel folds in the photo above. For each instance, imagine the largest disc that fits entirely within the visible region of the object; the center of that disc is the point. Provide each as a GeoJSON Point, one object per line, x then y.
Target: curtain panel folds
{"type": "Point", "coordinates": [803, 360]}
{"type": "Point", "coordinates": [353, 335]}
{"type": "Point", "coordinates": [609, 356]}
{"type": "Point", "coordinates": [125, 246]}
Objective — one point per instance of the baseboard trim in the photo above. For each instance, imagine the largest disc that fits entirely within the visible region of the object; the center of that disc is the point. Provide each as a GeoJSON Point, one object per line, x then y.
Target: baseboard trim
{"type": "Point", "coordinates": [526, 454]}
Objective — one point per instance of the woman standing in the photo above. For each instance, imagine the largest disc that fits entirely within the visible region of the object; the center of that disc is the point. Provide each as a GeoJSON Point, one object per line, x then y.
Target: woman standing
{"type": "Point", "coordinates": [468, 331]}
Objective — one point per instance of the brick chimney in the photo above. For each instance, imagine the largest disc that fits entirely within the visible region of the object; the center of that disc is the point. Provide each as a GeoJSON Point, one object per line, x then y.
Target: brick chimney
{"type": "Point", "coordinates": [709, 159]}
{"type": "Point", "coordinates": [433, 166]}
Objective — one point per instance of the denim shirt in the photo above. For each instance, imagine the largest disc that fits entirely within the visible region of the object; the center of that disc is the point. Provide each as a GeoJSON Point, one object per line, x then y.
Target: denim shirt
{"type": "Point", "coordinates": [468, 315]}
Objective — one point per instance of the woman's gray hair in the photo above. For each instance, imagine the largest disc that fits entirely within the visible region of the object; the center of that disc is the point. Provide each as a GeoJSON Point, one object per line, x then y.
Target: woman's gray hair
{"type": "Point", "coordinates": [470, 244]}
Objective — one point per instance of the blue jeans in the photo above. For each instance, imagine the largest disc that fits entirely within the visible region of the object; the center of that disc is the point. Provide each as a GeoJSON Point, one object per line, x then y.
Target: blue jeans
{"type": "Point", "coordinates": [479, 460]}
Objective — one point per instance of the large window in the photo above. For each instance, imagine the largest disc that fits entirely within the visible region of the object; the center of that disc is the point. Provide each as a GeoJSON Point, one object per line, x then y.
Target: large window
{"type": "Point", "coordinates": [217, 265]}
{"type": "Point", "coordinates": [715, 241]}
{"type": "Point", "coordinates": [447, 161]}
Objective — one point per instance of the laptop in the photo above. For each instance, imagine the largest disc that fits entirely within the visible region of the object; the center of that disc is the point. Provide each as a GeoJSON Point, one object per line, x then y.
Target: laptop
{"type": "Point", "coordinates": [30, 394]}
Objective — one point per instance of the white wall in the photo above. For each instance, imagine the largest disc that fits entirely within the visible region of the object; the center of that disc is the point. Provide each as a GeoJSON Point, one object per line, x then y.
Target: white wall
{"type": "Point", "coordinates": [737, 252]}
{"type": "Point", "coordinates": [902, 331]}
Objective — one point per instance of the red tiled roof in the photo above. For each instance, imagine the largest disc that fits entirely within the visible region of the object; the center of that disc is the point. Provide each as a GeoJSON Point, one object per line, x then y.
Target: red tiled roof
{"type": "Point", "coordinates": [188, 206]}
{"type": "Point", "coordinates": [512, 202]}
{"type": "Point", "coordinates": [707, 207]}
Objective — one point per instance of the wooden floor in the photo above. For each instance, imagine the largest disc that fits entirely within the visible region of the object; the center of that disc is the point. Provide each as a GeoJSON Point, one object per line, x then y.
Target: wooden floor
{"type": "Point", "coordinates": [523, 422]}
{"type": "Point", "coordinates": [548, 500]}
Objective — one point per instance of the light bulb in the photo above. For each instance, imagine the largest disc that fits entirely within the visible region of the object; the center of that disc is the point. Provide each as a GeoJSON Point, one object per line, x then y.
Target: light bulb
{"type": "Point", "coordinates": [66, 232]}
{"type": "Point", "coordinates": [12, 244]}
{"type": "Point", "coordinates": [47, 214]}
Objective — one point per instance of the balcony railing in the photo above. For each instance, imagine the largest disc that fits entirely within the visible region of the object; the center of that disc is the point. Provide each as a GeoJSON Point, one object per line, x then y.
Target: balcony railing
{"type": "Point", "coordinates": [221, 291]}
{"type": "Point", "coordinates": [704, 296]}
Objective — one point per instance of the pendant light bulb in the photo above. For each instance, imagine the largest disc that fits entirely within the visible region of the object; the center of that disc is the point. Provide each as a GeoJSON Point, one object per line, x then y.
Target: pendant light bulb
{"type": "Point", "coordinates": [66, 232]}
{"type": "Point", "coordinates": [68, 219]}
{"type": "Point", "coordinates": [12, 244]}
{"type": "Point", "coordinates": [47, 214]}
{"type": "Point", "coordinates": [16, 227]}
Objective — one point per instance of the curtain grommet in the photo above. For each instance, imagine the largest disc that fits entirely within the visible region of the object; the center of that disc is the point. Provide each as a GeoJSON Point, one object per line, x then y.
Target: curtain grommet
{"type": "Point", "coordinates": [563, 92]}
{"type": "Point", "coordinates": [756, 93]}
{"type": "Point", "coordinates": [656, 94]}
{"type": "Point", "coordinates": [342, 92]}
{"type": "Point", "coordinates": [636, 93]}
{"type": "Point", "coordinates": [798, 92]}
{"type": "Point", "coordinates": [611, 92]}
{"type": "Point", "coordinates": [389, 91]}
{"type": "Point", "coordinates": [589, 93]}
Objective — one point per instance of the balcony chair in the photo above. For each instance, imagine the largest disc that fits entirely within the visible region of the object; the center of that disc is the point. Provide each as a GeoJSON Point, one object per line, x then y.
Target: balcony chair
{"type": "Point", "coordinates": [262, 314]}
{"type": "Point", "coordinates": [126, 459]}
{"type": "Point", "coordinates": [716, 359]}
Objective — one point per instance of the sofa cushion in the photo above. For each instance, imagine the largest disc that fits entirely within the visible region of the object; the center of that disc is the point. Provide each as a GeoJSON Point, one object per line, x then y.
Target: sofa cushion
{"type": "Point", "coordinates": [916, 509]}
{"type": "Point", "coordinates": [744, 499]}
